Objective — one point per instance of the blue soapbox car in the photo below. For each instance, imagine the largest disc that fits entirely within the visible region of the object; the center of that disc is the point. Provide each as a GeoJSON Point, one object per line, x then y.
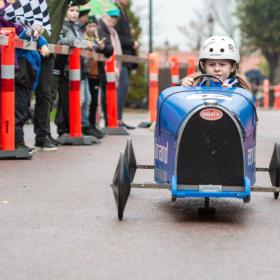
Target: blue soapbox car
{"type": "Point", "coordinates": [205, 146]}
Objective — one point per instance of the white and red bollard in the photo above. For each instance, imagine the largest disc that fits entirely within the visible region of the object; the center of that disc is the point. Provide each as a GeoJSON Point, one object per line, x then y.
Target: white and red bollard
{"type": "Point", "coordinates": [7, 100]}
{"type": "Point", "coordinates": [174, 70]}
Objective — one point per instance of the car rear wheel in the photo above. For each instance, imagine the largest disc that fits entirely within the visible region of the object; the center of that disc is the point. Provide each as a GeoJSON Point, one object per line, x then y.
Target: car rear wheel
{"type": "Point", "coordinates": [274, 168]}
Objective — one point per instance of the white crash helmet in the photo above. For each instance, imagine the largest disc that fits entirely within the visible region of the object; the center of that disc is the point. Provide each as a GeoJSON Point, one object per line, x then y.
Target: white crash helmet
{"type": "Point", "coordinates": [219, 47]}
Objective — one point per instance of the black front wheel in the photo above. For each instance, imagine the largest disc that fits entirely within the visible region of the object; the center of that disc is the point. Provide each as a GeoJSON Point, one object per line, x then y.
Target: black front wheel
{"type": "Point", "coordinates": [121, 185]}
{"type": "Point", "coordinates": [274, 168]}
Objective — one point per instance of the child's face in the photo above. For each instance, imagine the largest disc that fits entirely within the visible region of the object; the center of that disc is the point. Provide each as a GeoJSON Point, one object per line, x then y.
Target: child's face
{"type": "Point", "coordinates": [90, 28]}
{"type": "Point", "coordinates": [8, 1]}
{"type": "Point", "coordinates": [73, 13]}
{"type": "Point", "coordinates": [220, 68]}
{"type": "Point", "coordinates": [83, 19]}
{"type": "Point", "coordinates": [111, 21]}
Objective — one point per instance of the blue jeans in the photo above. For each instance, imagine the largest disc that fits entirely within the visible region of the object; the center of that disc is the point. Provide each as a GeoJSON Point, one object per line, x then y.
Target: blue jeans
{"type": "Point", "coordinates": [85, 101]}
{"type": "Point", "coordinates": [122, 89]}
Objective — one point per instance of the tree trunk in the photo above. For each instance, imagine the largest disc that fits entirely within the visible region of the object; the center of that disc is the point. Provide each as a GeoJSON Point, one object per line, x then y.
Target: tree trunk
{"type": "Point", "coordinates": [274, 73]}
{"type": "Point", "coordinates": [272, 59]}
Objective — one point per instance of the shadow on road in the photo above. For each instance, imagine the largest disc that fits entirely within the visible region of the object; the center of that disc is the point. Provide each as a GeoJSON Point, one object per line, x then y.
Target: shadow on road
{"type": "Point", "coordinates": [227, 211]}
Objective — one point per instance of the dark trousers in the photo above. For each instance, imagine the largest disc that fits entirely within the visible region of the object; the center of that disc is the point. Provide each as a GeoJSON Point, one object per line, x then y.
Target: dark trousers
{"type": "Point", "coordinates": [43, 99]}
{"type": "Point", "coordinates": [94, 90]}
{"type": "Point", "coordinates": [62, 114]}
{"type": "Point", "coordinates": [104, 102]}
{"type": "Point", "coordinates": [22, 104]}
{"type": "Point", "coordinates": [123, 89]}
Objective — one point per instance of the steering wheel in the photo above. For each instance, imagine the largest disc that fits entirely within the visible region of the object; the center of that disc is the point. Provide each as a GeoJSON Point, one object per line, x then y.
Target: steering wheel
{"type": "Point", "coordinates": [208, 76]}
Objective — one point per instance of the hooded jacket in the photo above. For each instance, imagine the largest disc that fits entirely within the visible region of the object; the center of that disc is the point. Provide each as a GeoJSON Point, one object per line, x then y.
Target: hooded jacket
{"type": "Point", "coordinates": [57, 10]}
{"type": "Point", "coordinates": [104, 32]}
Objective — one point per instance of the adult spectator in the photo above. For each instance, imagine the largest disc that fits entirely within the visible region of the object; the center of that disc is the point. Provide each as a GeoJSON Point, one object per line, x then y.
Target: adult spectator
{"type": "Point", "coordinates": [129, 47]}
{"type": "Point", "coordinates": [43, 140]}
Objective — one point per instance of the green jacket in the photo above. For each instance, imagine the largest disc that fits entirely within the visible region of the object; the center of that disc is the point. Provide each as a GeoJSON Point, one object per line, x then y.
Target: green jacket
{"type": "Point", "coordinates": [57, 11]}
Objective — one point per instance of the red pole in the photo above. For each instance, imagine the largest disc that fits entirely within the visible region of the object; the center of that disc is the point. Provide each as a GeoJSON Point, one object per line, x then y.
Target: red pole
{"type": "Point", "coordinates": [153, 86]}
{"type": "Point", "coordinates": [7, 99]}
{"type": "Point", "coordinates": [191, 67]}
{"type": "Point", "coordinates": [74, 93]}
{"type": "Point", "coordinates": [277, 97]}
{"type": "Point", "coordinates": [111, 93]}
{"type": "Point", "coordinates": [174, 70]}
{"type": "Point", "coordinates": [266, 93]}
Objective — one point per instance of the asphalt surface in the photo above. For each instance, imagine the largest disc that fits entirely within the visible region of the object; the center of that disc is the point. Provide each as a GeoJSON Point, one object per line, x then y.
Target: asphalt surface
{"type": "Point", "coordinates": [58, 219]}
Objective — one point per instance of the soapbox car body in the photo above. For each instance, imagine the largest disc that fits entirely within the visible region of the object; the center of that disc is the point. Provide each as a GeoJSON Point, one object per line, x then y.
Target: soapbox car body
{"type": "Point", "coordinates": [205, 146]}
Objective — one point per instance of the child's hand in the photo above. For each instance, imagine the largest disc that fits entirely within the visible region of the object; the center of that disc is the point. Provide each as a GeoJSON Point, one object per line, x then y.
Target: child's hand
{"type": "Point", "coordinates": [45, 51]}
{"type": "Point", "coordinates": [38, 31]}
{"type": "Point", "coordinates": [101, 44]}
{"type": "Point", "coordinates": [89, 45]}
{"type": "Point", "coordinates": [225, 85]}
{"type": "Point", "coordinates": [188, 81]}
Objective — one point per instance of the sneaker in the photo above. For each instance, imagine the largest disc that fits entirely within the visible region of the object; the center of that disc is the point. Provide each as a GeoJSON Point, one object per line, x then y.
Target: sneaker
{"type": "Point", "coordinates": [122, 124]}
{"type": "Point", "coordinates": [45, 145]}
{"type": "Point", "coordinates": [103, 133]}
{"type": "Point", "coordinates": [93, 132]}
{"type": "Point", "coordinates": [97, 133]}
{"type": "Point", "coordinates": [54, 141]}
{"type": "Point", "coordinates": [24, 147]}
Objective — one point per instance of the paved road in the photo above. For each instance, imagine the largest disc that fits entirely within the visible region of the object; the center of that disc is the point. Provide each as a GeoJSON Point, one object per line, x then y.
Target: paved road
{"type": "Point", "coordinates": [58, 220]}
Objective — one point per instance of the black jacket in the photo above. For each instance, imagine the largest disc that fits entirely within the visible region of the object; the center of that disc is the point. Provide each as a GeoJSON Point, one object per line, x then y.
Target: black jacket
{"type": "Point", "coordinates": [104, 32]}
{"type": "Point", "coordinates": [124, 32]}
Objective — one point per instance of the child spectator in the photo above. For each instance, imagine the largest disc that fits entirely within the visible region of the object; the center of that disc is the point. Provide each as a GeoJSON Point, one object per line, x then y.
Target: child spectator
{"type": "Point", "coordinates": [85, 92]}
{"type": "Point", "coordinates": [218, 57]}
{"type": "Point", "coordinates": [98, 45]}
{"type": "Point", "coordinates": [84, 16]}
{"type": "Point", "coordinates": [71, 35]}
{"type": "Point", "coordinates": [26, 80]}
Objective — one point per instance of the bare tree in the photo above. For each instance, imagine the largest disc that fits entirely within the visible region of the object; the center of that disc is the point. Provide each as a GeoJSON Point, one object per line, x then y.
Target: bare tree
{"type": "Point", "coordinates": [224, 14]}
{"type": "Point", "coordinates": [195, 31]}
{"type": "Point", "coordinates": [218, 17]}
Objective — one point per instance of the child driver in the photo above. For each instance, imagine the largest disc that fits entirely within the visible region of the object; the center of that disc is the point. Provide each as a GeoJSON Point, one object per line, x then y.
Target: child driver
{"type": "Point", "coordinates": [218, 57]}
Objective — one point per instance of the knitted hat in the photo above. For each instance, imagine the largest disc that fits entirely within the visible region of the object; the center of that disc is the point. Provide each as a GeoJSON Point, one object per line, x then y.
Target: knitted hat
{"type": "Point", "coordinates": [92, 19]}
{"type": "Point", "coordinates": [114, 12]}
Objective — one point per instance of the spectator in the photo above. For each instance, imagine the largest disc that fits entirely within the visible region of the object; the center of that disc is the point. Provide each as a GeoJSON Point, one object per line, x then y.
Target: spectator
{"type": "Point", "coordinates": [85, 93]}
{"type": "Point", "coordinates": [71, 35]}
{"type": "Point", "coordinates": [84, 16]}
{"type": "Point", "coordinates": [129, 47]}
{"type": "Point", "coordinates": [98, 45]}
{"type": "Point", "coordinates": [26, 80]}
{"type": "Point", "coordinates": [116, 45]}
{"type": "Point", "coordinates": [108, 20]}
{"type": "Point", "coordinates": [44, 141]}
